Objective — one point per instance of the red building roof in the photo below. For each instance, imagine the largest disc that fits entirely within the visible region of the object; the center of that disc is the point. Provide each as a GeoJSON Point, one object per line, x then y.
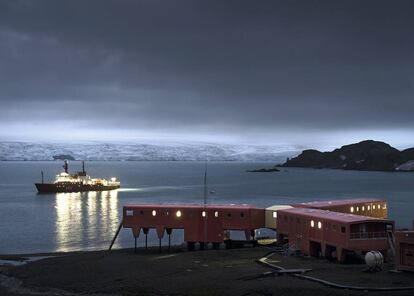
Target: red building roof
{"type": "Point", "coordinates": [337, 203]}
{"type": "Point", "coordinates": [329, 215]}
{"type": "Point", "coordinates": [192, 206]}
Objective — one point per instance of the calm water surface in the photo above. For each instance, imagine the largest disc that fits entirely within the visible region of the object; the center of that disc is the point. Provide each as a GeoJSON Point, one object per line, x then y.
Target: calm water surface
{"type": "Point", "coordinates": [30, 222]}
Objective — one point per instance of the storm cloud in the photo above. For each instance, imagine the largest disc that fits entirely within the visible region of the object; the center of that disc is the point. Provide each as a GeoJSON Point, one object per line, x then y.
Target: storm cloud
{"type": "Point", "coordinates": [259, 70]}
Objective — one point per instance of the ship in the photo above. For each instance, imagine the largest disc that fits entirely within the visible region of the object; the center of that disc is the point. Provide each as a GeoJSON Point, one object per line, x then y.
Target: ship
{"type": "Point", "coordinates": [79, 182]}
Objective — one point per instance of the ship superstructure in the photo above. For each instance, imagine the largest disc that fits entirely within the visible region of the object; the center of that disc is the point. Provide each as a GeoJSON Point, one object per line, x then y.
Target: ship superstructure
{"type": "Point", "coordinates": [65, 182]}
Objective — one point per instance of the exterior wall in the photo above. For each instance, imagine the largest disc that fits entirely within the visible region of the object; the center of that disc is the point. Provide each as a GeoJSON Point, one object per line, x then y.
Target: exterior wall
{"type": "Point", "coordinates": [271, 215]}
{"type": "Point", "coordinates": [404, 250]}
{"type": "Point", "coordinates": [200, 224]}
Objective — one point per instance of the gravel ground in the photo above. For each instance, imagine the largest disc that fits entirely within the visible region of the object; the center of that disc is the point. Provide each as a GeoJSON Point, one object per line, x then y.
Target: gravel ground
{"type": "Point", "coordinates": [179, 272]}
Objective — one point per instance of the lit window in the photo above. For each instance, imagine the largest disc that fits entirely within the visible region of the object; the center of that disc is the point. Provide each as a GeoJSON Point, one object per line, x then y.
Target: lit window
{"type": "Point", "coordinates": [154, 212]}
{"type": "Point", "coordinates": [373, 207]}
{"type": "Point", "coordinates": [203, 213]}
{"type": "Point", "coordinates": [178, 214]}
{"type": "Point", "coordinates": [369, 208]}
{"type": "Point", "coordinates": [363, 208]}
{"type": "Point", "coordinates": [216, 214]}
{"type": "Point", "coordinates": [357, 209]}
{"type": "Point", "coordinates": [312, 223]}
{"type": "Point", "coordinates": [385, 206]}
{"type": "Point", "coordinates": [319, 224]}
{"type": "Point", "coordinates": [379, 206]}
{"type": "Point", "coordinates": [275, 215]}
{"type": "Point", "coordinates": [129, 212]}
{"type": "Point", "coordinates": [352, 209]}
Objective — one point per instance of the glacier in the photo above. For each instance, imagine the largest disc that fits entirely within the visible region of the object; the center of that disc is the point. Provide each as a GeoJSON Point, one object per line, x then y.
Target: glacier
{"type": "Point", "coordinates": [120, 151]}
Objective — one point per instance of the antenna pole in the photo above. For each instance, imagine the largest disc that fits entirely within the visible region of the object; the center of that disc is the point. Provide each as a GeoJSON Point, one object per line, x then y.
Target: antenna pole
{"type": "Point", "coordinates": [83, 166]}
{"type": "Point", "coordinates": [205, 184]}
{"type": "Point", "coordinates": [42, 175]}
{"type": "Point", "coordinates": [205, 205]}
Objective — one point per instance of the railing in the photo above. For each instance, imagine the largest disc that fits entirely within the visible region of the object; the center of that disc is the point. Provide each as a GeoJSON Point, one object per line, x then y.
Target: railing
{"type": "Point", "coordinates": [368, 235]}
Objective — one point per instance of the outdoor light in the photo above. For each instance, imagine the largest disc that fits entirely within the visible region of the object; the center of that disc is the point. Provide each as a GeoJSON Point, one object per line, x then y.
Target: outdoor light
{"type": "Point", "coordinates": [352, 209]}
{"type": "Point", "coordinates": [312, 223]}
{"type": "Point", "coordinates": [178, 214]}
{"type": "Point", "coordinates": [319, 225]}
{"type": "Point", "coordinates": [203, 213]}
{"type": "Point", "coordinates": [275, 215]}
{"type": "Point", "coordinates": [216, 214]}
{"type": "Point", "coordinates": [154, 212]}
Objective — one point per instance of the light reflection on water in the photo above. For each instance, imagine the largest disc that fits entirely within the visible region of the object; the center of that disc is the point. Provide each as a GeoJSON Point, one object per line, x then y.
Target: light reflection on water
{"type": "Point", "coordinates": [96, 211]}
{"type": "Point", "coordinates": [31, 222]}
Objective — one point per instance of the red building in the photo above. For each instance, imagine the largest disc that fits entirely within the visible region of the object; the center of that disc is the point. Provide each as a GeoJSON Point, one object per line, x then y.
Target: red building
{"type": "Point", "coordinates": [203, 224]}
{"type": "Point", "coordinates": [404, 241]}
{"type": "Point", "coordinates": [331, 234]}
{"type": "Point", "coordinates": [370, 207]}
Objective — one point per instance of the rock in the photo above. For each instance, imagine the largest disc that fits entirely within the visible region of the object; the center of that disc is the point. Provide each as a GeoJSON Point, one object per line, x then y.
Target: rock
{"type": "Point", "coordinates": [264, 170]}
{"type": "Point", "coordinates": [363, 156]}
{"type": "Point", "coordinates": [63, 157]}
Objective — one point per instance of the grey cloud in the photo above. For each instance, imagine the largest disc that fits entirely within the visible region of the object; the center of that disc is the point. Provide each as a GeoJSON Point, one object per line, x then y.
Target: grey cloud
{"type": "Point", "coordinates": [218, 65]}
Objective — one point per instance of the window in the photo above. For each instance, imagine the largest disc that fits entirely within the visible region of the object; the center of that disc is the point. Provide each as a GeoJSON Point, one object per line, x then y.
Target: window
{"type": "Point", "coordinates": [154, 212]}
{"type": "Point", "coordinates": [129, 212]}
{"type": "Point", "coordinates": [363, 208]}
{"type": "Point", "coordinates": [369, 208]}
{"type": "Point", "coordinates": [141, 212]}
{"type": "Point", "coordinates": [374, 207]}
{"type": "Point", "coordinates": [357, 209]}
{"type": "Point", "coordinates": [379, 206]}
{"type": "Point", "coordinates": [216, 214]}
{"type": "Point", "coordinates": [242, 214]}
{"type": "Point", "coordinates": [312, 223]}
{"type": "Point", "coordinates": [352, 209]}
{"type": "Point", "coordinates": [229, 215]}
{"type": "Point", "coordinates": [343, 230]}
{"type": "Point", "coordinates": [178, 213]}
{"type": "Point", "coordinates": [275, 215]}
{"type": "Point", "coordinates": [203, 214]}
{"type": "Point", "coordinates": [319, 225]}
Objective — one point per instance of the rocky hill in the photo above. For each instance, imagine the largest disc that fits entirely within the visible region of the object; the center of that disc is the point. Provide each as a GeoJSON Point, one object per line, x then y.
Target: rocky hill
{"type": "Point", "coordinates": [363, 156]}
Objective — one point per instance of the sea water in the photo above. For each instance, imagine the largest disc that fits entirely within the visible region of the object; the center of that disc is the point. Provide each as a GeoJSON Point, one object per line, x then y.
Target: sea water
{"type": "Point", "coordinates": [32, 222]}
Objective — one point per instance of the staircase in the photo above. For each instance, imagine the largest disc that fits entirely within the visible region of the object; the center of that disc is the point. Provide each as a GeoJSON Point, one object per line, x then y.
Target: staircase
{"type": "Point", "coordinates": [391, 241]}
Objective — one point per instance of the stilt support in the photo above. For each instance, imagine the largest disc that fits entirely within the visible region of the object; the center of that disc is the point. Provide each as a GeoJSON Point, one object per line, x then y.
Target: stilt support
{"type": "Point", "coordinates": [116, 235]}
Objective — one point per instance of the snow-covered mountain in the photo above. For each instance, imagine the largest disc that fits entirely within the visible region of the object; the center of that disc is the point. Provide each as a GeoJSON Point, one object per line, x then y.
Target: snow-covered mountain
{"type": "Point", "coordinates": [145, 151]}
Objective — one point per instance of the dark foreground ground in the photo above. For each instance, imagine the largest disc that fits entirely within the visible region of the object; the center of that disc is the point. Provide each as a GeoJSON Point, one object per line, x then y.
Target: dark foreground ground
{"type": "Point", "coordinates": [178, 272]}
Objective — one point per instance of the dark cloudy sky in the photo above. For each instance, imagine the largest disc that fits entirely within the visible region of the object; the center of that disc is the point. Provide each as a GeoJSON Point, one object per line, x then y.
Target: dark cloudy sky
{"type": "Point", "coordinates": [300, 72]}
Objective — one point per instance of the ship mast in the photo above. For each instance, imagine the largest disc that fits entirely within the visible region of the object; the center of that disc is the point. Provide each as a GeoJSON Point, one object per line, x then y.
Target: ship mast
{"type": "Point", "coordinates": [65, 166]}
